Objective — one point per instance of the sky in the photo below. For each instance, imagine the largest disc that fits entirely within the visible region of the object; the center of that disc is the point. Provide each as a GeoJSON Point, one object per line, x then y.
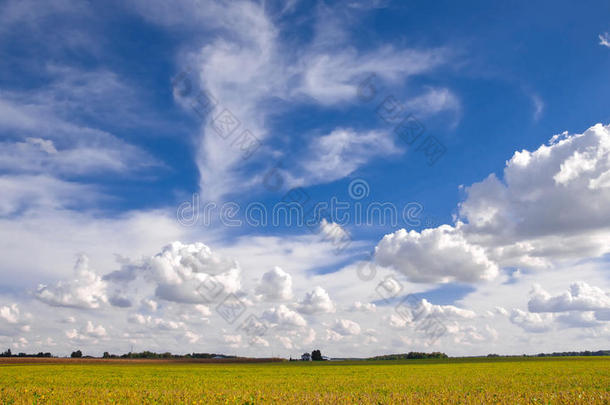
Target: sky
{"type": "Point", "coordinates": [268, 178]}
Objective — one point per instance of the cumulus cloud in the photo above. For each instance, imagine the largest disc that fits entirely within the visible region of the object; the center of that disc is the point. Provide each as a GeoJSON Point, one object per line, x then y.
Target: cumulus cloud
{"type": "Point", "coordinates": [580, 297]}
{"type": "Point", "coordinates": [346, 327]}
{"type": "Point", "coordinates": [362, 307]}
{"type": "Point", "coordinates": [185, 273]}
{"type": "Point", "coordinates": [87, 290]}
{"type": "Point", "coordinates": [417, 310]}
{"type": "Point", "coordinates": [232, 340]}
{"type": "Point", "coordinates": [89, 331]}
{"type": "Point", "coordinates": [521, 219]}
{"type": "Point", "coordinates": [531, 322]}
{"type": "Point", "coordinates": [423, 308]}
{"type": "Point", "coordinates": [275, 284]}
{"type": "Point", "coordinates": [149, 304]}
{"type": "Point", "coordinates": [10, 313]}
{"type": "Point", "coordinates": [435, 255]}
{"type": "Point", "coordinates": [12, 321]}
{"type": "Point", "coordinates": [283, 316]}
{"type": "Point", "coordinates": [582, 305]}
{"type": "Point", "coordinates": [316, 301]}
{"type": "Point", "coordinates": [156, 322]}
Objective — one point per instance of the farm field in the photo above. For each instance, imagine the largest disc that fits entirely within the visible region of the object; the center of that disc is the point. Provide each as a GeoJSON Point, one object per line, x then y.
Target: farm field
{"type": "Point", "coordinates": [565, 380]}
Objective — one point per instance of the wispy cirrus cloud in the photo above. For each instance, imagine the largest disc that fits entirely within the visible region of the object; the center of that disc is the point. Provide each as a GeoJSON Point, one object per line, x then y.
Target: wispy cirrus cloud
{"type": "Point", "coordinates": [258, 76]}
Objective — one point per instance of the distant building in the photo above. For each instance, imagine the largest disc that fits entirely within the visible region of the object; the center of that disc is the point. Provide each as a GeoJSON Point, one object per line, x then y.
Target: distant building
{"type": "Point", "coordinates": [325, 358]}
{"type": "Point", "coordinates": [306, 357]}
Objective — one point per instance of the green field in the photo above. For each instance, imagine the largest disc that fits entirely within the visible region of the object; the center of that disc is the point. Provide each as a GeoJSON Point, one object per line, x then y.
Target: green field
{"type": "Point", "coordinates": [508, 381]}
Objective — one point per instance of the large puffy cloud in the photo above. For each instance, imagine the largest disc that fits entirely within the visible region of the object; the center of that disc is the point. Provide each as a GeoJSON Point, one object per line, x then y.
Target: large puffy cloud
{"type": "Point", "coordinates": [316, 301]}
{"type": "Point", "coordinates": [580, 297]}
{"type": "Point", "coordinates": [531, 322]}
{"type": "Point", "coordinates": [12, 321]}
{"type": "Point", "coordinates": [284, 317]}
{"type": "Point", "coordinates": [550, 206]}
{"type": "Point", "coordinates": [582, 305]}
{"type": "Point", "coordinates": [346, 327]}
{"type": "Point", "coordinates": [186, 273]}
{"type": "Point", "coordinates": [87, 290]}
{"type": "Point", "coordinates": [423, 308]}
{"type": "Point", "coordinates": [275, 284]}
{"type": "Point", "coordinates": [411, 312]}
{"type": "Point", "coordinates": [87, 332]}
{"type": "Point", "coordinates": [192, 273]}
{"type": "Point", "coordinates": [440, 254]}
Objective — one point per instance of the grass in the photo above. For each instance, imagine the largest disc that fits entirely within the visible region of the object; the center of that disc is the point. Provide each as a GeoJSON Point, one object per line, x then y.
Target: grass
{"type": "Point", "coordinates": [565, 380]}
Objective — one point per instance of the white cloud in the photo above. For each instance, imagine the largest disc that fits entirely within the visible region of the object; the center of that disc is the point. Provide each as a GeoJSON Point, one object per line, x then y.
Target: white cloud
{"type": "Point", "coordinates": [285, 341]}
{"type": "Point", "coordinates": [150, 305]}
{"type": "Point", "coordinates": [46, 142]}
{"type": "Point", "coordinates": [604, 39]}
{"type": "Point", "coordinates": [538, 106]}
{"type": "Point", "coordinates": [423, 309]}
{"type": "Point", "coordinates": [435, 255]}
{"type": "Point", "coordinates": [338, 154]}
{"type": "Point", "coordinates": [203, 310]}
{"type": "Point", "coordinates": [87, 332]}
{"type": "Point", "coordinates": [346, 327]}
{"type": "Point", "coordinates": [531, 322]}
{"type": "Point", "coordinates": [191, 337]}
{"type": "Point", "coordinates": [275, 284]}
{"type": "Point", "coordinates": [155, 322]}
{"type": "Point", "coordinates": [284, 317]}
{"type": "Point", "coordinates": [94, 331]}
{"type": "Point", "coordinates": [433, 101]}
{"type": "Point", "coordinates": [258, 341]}
{"type": "Point", "coordinates": [247, 70]}
{"type": "Point", "coordinates": [29, 192]}
{"type": "Point", "coordinates": [87, 290]}
{"type": "Point", "coordinates": [13, 321]}
{"type": "Point", "coordinates": [187, 273]}
{"type": "Point", "coordinates": [522, 221]}
{"type": "Point", "coordinates": [362, 307]}
{"type": "Point", "coordinates": [316, 301]}
{"type": "Point", "coordinates": [10, 313]}
{"type": "Point", "coordinates": [332, 336]}
{"type": "Point", "coordinates": [233, 340]}
{"type": "Point", "coordinates": [331, 78]}
{"type": "Point", "coordinates": [580, 297]}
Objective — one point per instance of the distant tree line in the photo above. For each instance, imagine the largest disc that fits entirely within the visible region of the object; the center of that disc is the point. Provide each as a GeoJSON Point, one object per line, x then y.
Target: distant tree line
{"type": "Point", "coordinates": [8, 353]}
{"type": "Point", "coordinates": [558, 354]}
{"type": "Point", "coordinates": [410, 355]}
{"type": "Point", "coordinates": [585, 353]}
{"type": "Point", "coordinates": [167, 355]}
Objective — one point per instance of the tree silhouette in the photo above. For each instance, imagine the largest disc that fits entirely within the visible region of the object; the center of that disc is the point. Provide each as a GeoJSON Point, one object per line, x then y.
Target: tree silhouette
{"type": "Point", "coordinates": [316, 355]}
{"type": "Point", "coordinates": [77, 354]}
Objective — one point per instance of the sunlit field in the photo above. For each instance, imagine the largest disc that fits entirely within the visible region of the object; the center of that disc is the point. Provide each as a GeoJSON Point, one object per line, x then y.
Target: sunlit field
{"type": "Point", "coordinates": [506, 381]}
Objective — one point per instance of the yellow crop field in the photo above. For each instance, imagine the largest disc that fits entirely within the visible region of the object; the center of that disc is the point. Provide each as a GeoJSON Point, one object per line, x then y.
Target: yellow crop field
{"type": "Point", "coordinates": [456, 381]}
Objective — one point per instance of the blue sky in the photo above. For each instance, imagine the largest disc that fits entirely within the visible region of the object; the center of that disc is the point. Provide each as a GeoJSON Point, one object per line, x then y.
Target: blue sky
{"type": "Point", "coordinates": [102, 149]}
